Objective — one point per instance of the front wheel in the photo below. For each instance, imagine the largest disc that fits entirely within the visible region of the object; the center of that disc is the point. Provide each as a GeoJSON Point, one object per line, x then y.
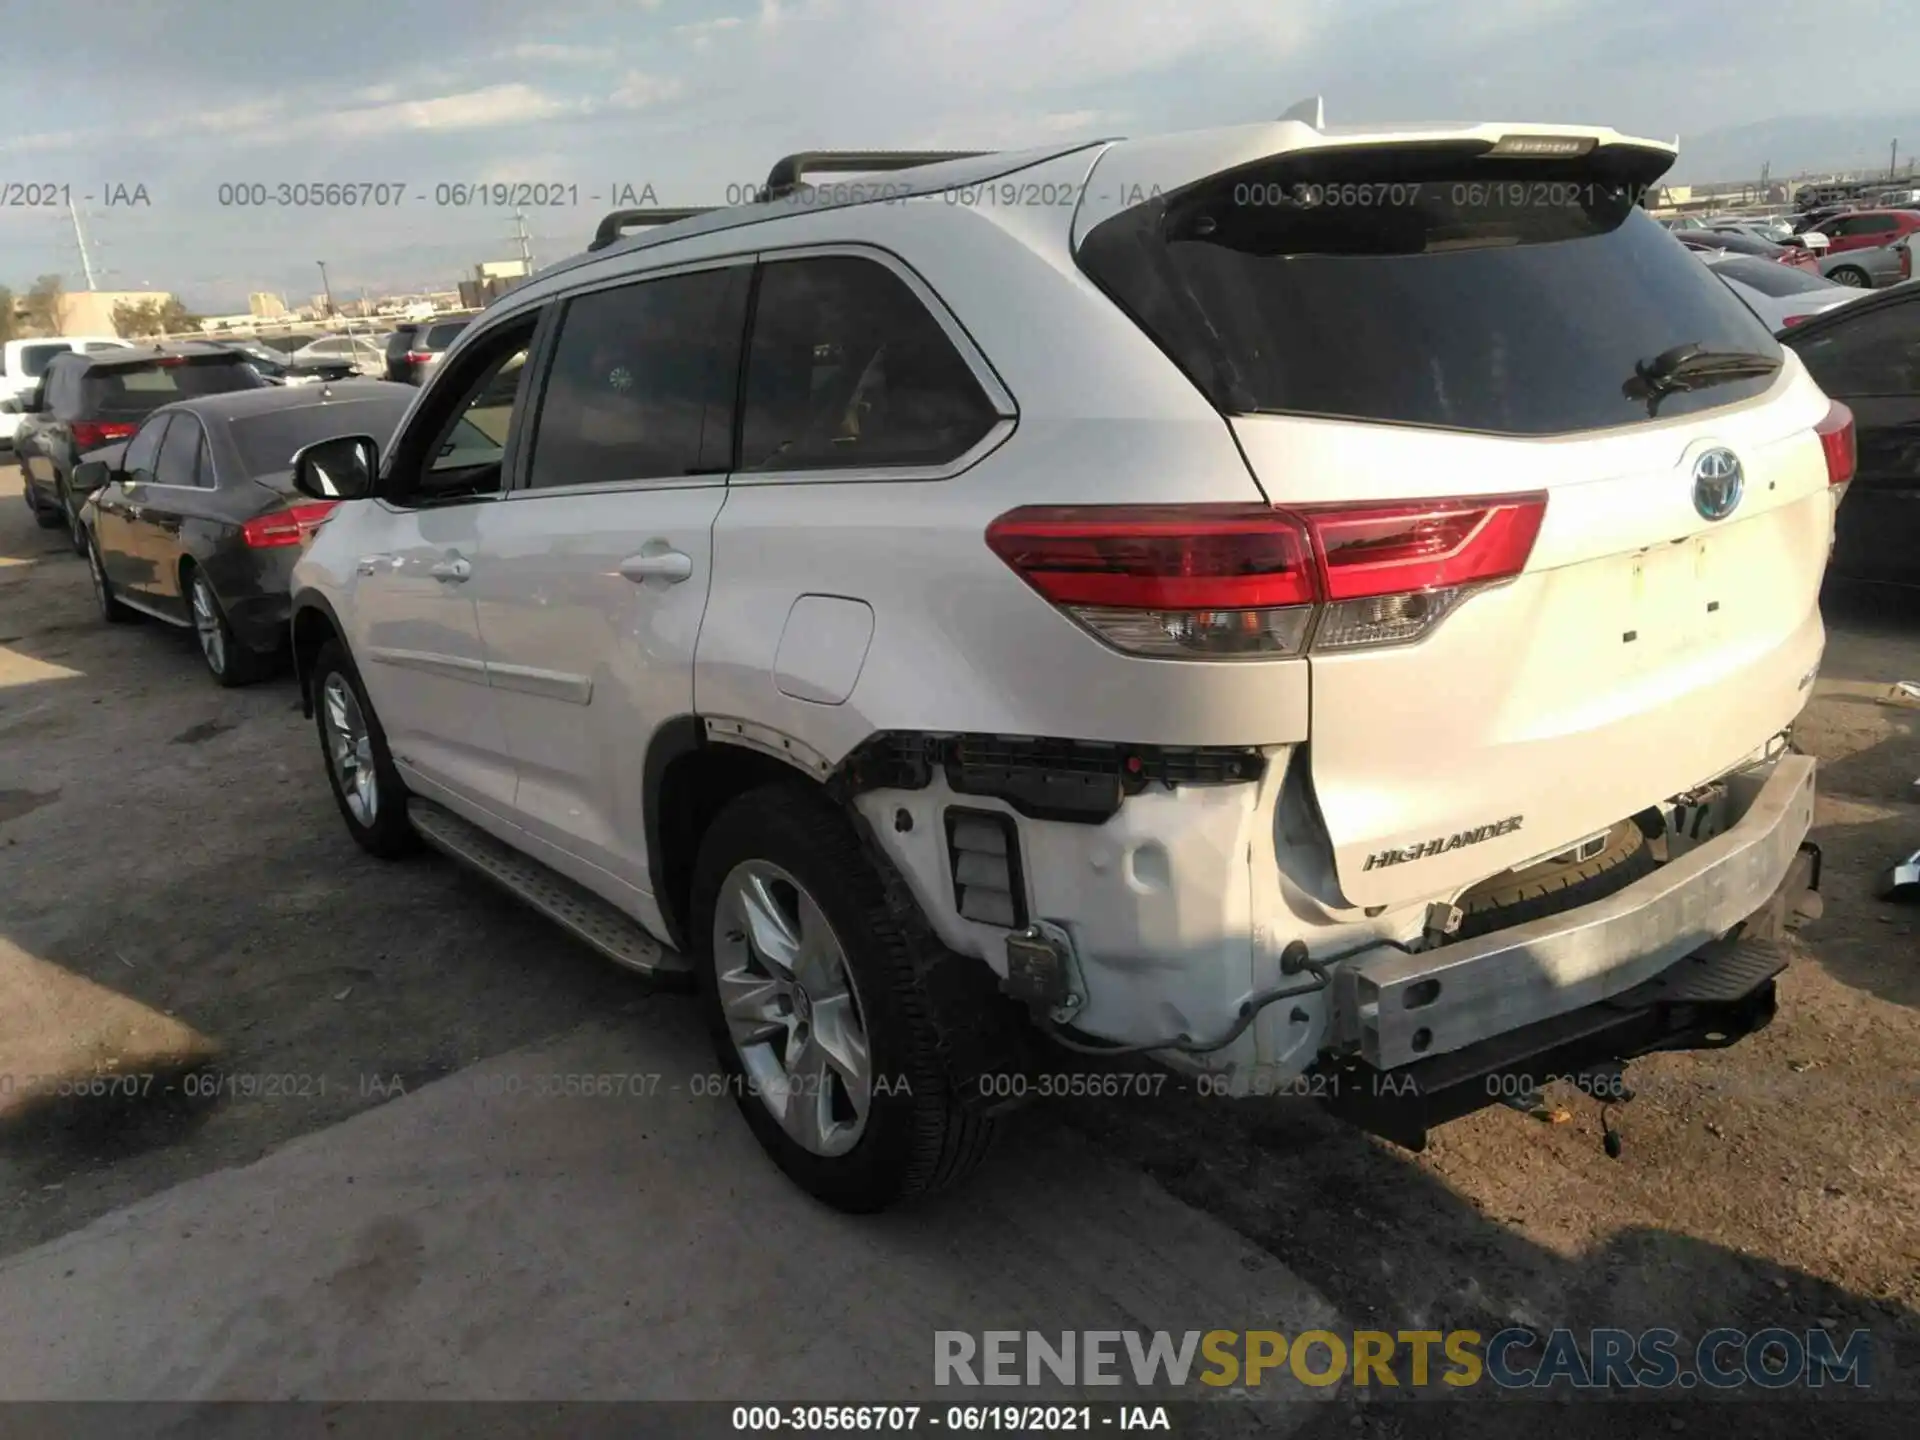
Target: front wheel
{"type": "Point", "coordinates": [1849, 275]}
{"type": "Point", "coordinates": [366, 787]}
{"type": "Point", "coordinates": [811, 992]}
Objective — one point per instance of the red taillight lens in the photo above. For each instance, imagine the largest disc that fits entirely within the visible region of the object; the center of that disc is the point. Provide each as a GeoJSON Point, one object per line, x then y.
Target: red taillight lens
{"type": "Point", "coordinates": [1231, 581]}
{"type": "Point", "coordinates": [1199, 581]}
{"type": "Point", "coordinates": [419, 357]}
{"type": "Point", "coordinates": [92, 434]}
{"type": "Point", "coordinates": [1791, 321]}
{"type": "Point", "coordinates": [1837, 440]}
{"type": "Point", "coordinates": [290, 526]}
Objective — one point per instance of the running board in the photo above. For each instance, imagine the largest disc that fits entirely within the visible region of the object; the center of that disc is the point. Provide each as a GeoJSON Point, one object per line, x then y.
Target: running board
{"type": "Point", "coordinates": [571, 906]}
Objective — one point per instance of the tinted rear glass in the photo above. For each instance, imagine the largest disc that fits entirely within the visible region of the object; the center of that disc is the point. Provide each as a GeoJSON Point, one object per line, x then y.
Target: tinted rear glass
{"type": "Point", "coordinates": [1770, 279]}
{"type": "Point", "coordinates": [139, 390]}
{"type": "Point", "coordinates": [441, 336]}
{"type": "Point", "coordinates": [266, 442]}
{"type": "Point", "coordinates": [1426, 287]}
{"type": "Point", "coordinates": [34, 359]}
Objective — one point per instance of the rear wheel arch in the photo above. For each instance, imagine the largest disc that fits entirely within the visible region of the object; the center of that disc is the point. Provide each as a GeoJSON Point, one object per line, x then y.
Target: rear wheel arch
{"type": "Point", "coordinates": [689, 779]}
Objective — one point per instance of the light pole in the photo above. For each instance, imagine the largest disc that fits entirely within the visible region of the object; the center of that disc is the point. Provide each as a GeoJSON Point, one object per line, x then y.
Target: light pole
{"type": "Point", "coordinates": [326, 290]}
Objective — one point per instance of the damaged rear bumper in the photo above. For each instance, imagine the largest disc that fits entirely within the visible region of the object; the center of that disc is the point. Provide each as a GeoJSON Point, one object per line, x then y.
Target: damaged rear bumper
{"type": "Point", "coordinates": [1394, 1008]}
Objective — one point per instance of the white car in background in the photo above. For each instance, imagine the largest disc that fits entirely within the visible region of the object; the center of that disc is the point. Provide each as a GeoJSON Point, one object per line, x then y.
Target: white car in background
{"type": "Point", "coordinates": [1780, 295]}
{"type": "Point", "coordinates": [23, 362]}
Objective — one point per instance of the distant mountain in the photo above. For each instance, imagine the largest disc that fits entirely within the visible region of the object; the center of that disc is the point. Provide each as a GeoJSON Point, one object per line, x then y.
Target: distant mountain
{"type": "Point", "coordinates": [1795, 143]}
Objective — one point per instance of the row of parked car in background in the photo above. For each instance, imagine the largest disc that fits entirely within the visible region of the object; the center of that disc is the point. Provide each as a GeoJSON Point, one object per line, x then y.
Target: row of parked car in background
{"type": "Point", "coordinates": [1855, 246]}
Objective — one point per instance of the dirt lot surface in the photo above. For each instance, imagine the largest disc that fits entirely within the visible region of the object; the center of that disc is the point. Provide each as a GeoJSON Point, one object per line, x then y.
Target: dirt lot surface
{"type": "Point", "coordinates": [175, 883]}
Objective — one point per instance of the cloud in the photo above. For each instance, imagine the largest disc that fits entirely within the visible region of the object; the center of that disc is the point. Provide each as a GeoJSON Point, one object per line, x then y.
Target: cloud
{"type": "Point", "coordinates": [700, 33]}
{"type": "Point", "coordinates": [483, 109]}
{"type": "Point", "coordinates": [638, 90]}
{"type": "Point", "coordinates": [551, 54]}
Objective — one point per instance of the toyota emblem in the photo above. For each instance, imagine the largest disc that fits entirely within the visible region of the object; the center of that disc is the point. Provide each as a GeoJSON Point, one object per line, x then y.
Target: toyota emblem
{"type": "Point", "coordinates": [1718, 483]}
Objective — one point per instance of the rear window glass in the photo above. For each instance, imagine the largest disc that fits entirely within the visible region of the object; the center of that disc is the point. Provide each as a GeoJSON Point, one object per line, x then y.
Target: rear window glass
{"type": "Point", "coordinates": [1428, 288]}
{"type": "Point", "coordinates": [1770, 279]}
{"type": "Point", "coordinates": [441, 336]}
{"type": "Point", "coordinates": [139, 391]}
{"type": "Point", "coordinates": [266, 442]}
{"type": "Point", "coordinates": [34, 359]}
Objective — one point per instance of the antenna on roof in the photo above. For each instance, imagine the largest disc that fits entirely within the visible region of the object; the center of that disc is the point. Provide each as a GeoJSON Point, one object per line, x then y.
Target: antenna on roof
{"type": "Point", "coordinates": [1311, 111]}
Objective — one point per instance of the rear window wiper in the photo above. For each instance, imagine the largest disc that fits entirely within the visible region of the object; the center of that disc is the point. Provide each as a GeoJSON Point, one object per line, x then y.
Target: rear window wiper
{"type": "Point", "coordinates": [1692, 367]}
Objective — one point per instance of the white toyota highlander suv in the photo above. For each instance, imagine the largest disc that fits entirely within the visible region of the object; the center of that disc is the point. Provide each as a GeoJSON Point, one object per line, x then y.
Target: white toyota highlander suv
{"type": "Point", "coordinates": [1323, 608]}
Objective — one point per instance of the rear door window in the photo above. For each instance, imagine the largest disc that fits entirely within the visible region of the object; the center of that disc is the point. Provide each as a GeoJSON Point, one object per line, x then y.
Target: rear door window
{"type": "Point", "coordinates": [1433, 288]}
{"type": "Point", "coordinates": [179, 453]}
{"type": "Point", "coordinates": [847, 369]}
{"type": "Point", "coordinates": [144, 449]}
{"type": "Point", "coordinates": [642, 382]}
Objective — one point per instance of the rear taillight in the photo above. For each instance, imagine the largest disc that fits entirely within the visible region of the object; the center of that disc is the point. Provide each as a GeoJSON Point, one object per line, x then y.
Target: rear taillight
{"type": "Point", "coordinates": [92, 434]}
{"type": "Point", "coordinates": [419, 357]}
{"type": "Point", "coordinates": [1793, 320]}
{"type": "Point", "coordinates": [1837, 440]}
{"type": "Point", "coordinates": [1251, 582]}
{"type": "Point", "coordinates": [290, 526]}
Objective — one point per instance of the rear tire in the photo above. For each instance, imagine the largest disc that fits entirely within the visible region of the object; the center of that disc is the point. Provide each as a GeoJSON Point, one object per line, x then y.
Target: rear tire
{"type": "Point", "coordinates": [47, 519]}
{"type": "Point", "coordinates": [1553, 886]}
{"type": "Point", "coordinates": [111, 610]}
{"type": "Point", "coordinates": [229, 661]}
{"type": "Point", "coordinates": [376, 812]}
{"type": "Point", "coordinates": [1850, 275]}
{"type": "Point", "coordinates": [788, 852]}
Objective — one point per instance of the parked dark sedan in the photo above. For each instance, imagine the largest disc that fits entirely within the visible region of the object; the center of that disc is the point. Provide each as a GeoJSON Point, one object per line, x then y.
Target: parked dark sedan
{"type": "Point", "coordinates": [195, 521]}
{"type": "Point", "coordinates": [1866, 354]}
{"type": "Point", "coordinates": [86, 401]}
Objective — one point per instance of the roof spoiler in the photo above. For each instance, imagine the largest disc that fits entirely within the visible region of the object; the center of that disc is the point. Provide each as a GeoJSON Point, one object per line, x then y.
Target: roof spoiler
{"type": "Point", "coordinates": [788, 174]}
{"type": "Point", "coordinates": [613, 226]}
{"type": "Point", "coordinates": [1311, 111]}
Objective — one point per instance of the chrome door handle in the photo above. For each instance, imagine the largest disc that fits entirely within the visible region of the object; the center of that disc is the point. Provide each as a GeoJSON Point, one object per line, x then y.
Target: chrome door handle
{"type": "Point", "coordinates": [370, 564]}
{"type": "Point", "coordinates": [455, 569]}
{"type": "Point", "coordinates": [668, 565]}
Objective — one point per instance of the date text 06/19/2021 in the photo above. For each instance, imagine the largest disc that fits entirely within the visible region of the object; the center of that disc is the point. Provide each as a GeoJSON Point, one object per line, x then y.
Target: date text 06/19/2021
{"type": "Point", "coordinates": [975, 1419]}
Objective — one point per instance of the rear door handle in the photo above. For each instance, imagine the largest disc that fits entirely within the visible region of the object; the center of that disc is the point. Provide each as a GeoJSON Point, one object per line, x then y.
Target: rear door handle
{"type": "Point", "coordinates": [668, 565]}
{"type": "Point", "coordinates": [454, 568]}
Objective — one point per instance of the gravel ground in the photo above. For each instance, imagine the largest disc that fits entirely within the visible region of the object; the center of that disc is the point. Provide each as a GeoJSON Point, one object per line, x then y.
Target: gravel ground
{"type": "Point", "coordinates": [175, 884]}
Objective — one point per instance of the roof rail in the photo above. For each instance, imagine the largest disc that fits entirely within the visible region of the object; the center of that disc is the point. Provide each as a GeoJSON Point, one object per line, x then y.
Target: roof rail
{"type": "Point", "coordinates": [614, 225]}
{"type": "Point", "coordinates": [787, 174]}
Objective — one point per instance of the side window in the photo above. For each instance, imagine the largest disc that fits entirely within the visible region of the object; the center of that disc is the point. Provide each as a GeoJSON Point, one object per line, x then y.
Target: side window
{"type": "Point", "coordinates": [203, 476]}
{"type": "Point", "coordinates": [456, 447]}
{"type": "Point", "coordinates": [144, 449]}
{"type": "Point", "coordinates": [60, 390]}
{"type": "Point", "coordinates": [847, 369]}
{"type": "Point", "coordinates": [179, 453]}
{"type": "Point", "coordinates": [642, 382]}
{"type": "Point", "coordinates": [1873, 354]}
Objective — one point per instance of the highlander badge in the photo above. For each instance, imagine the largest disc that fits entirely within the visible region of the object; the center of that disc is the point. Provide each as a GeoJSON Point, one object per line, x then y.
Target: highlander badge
{"type": "Point", "coordinates": [1383, 858]}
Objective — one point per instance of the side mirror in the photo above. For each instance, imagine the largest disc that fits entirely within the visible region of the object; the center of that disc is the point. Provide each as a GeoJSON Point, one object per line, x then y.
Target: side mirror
{"type": "Point", "coordinates": [89, 475]}
{"type": "Point", "coordinates": [339, 469]}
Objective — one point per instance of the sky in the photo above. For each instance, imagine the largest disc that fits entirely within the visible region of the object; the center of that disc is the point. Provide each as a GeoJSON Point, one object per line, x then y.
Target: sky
{"type": "Point", "coordinates": [688, 102]}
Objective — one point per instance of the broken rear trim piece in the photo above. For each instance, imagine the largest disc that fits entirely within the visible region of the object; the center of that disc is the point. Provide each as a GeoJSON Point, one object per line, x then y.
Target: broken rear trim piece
{"type": "Point", "coordinates": [1080, 782]}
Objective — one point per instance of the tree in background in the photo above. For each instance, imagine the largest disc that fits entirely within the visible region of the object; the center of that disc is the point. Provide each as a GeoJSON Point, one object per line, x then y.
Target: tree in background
{"type": "Point", "coordinates": [136, 318]}
{"type": "Point", "coordinates": [8, 325]}
{"type": "Point", "coordinates": [43, 305]}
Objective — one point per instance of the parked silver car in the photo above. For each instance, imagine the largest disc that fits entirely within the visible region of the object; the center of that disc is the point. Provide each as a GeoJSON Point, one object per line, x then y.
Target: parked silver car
{"type": "Point", "coordinates": [366, 353]}
{"type": "Point", "coordinates": [1870, 268]}
{"type": "Point", "coordinates": [1781, 295]}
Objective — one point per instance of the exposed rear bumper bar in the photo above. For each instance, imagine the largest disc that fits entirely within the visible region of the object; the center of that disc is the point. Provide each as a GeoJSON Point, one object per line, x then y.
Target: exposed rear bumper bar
{"type": "Point", "coordinates": [1706, 1001]}
{"type": "Point", "coordinates": [1401, 1009]}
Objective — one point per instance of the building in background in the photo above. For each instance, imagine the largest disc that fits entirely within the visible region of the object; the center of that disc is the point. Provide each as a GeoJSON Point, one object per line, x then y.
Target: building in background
{"type": "Point", "coordinates": [492, 279]}
{"type": "Point", "coordinates": [90, 312]}
{"type": "Point", "coordinates": [263, 306]}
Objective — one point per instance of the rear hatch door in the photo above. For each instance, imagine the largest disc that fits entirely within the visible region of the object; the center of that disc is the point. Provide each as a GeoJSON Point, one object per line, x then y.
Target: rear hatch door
{"type": "Point", "coordinates": [1499, 328]}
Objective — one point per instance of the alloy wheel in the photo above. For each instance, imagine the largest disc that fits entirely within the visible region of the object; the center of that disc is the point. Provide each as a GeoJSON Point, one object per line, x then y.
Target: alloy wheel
{"type": "Point", "coordinates": [350, 749]}
{"type": "Point", "coordinates": [791, 1008]}
{"type": "Point", "coordinates": [206, 623]}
